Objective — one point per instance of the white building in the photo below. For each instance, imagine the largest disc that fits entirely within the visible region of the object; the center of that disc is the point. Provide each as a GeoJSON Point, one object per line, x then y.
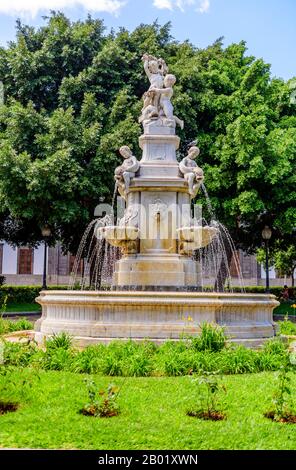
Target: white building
{"type": "Point", "coordinates": [24, 266]}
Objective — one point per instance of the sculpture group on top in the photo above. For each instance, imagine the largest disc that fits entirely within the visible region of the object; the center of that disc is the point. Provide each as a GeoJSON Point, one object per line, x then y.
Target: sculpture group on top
{"type": "Point", "coordinates": [157, 104]}
{"type": "Point", "coordinates": [158, 110]}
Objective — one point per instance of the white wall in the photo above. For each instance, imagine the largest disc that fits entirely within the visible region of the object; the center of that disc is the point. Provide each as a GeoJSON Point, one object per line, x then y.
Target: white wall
{"type": "Point", "coordinates": [9, 263]}
{"type": "Point", "coordinates": [38, 260]}
{"type": "Point", "coordinates": [272, 274]}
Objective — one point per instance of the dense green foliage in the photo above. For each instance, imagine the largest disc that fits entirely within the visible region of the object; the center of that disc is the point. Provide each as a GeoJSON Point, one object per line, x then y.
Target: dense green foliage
{"type": "Point", "coordinates": [145, 359]}
{"type": "Point", "coordinates": [8, 326]}
{"type": "Point", "coordinates": [153, 415]}
{"type": "Point", "coordinates": [287, 328]}
{"type": "Point", "coordinates": [22, 294]}
{"type": "Point", "coordinates": [28, 294]}
{"type": "Point", "coordinates": [73, 96]}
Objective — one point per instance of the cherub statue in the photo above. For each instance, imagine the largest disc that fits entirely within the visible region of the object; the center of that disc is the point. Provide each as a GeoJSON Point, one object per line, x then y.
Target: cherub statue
{"type": "Point", "coordinates": [192, 173]}
{"type": "Point", "coordinates": [155, 70]}
{"type": "Point", "coordinates": [165, 95]}
{"type": "Point", "coordinates": [126, 171]}
{"type": "Point", "coordinates": [149, 111]}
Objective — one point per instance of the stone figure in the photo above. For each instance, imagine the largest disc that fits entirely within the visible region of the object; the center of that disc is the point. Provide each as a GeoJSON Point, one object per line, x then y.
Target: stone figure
{"type": "Point", "coordinates": [165, 95]}
{"type": "Point", "coordinates": [126, 171]}
{"type": "Point", "coordinates": [155, 70]}
{"type": "Point", "coordinates": [157, 105]}
{"type": "Point", "coordinates": [191, 172]}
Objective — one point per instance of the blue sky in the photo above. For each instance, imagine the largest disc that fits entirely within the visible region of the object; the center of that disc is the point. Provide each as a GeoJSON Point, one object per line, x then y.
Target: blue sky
{"type": "Point", "coordinates": [268, 26]}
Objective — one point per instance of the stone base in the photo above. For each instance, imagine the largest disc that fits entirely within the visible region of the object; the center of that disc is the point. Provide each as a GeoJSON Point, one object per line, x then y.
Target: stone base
{"type": "Point", "coordinates": [93, 317]}
{"type": "Point", "coordinates": [156, 269]}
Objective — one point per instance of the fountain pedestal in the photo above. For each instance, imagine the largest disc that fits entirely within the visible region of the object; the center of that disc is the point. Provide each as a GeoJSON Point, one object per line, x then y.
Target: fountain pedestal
{"type": "Point", "coordinates": [159, 203]}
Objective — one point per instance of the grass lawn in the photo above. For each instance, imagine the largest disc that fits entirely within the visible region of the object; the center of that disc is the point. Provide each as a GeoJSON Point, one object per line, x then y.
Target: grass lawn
{"type": "Point", "coordinates": [24, 307]}
{"type": "Point", "coordinates": [153, 415]}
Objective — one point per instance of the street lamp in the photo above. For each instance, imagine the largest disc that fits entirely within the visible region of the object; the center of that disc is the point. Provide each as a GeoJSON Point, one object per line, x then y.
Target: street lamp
{"type": "Point", "coordinates": [46, 232]}
{"type": "Point", "coordinates": [266, 235]}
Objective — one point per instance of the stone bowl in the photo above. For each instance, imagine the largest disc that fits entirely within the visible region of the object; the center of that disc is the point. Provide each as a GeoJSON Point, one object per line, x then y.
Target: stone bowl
{"type": "Point", "coordinates": [117, 233]}
{"type": "Point", "coordinates": [200, 236]}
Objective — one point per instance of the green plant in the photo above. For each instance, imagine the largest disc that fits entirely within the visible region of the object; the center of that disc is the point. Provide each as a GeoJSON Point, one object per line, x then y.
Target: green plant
{"type": "Point", "coordinates": [8, 326]}
{"type": "Point", "coordinates": [211, 338]}
{"type": "Point", "coordinates": [55, 359]}
{"type": "Point", "coordinates": [22, 294]}
{"type": "Point", "coordinates": [59, 341]}
{"type": "Point", "coordinates": [102, 403]}
{"type": "Point", "coordinates": [282, 397]}
{"type": "Point", "coordinates": [210, 404]}
{"type": "Point", "coordinates": [139, 365]}
{"type": "Point", "coordinates": [14, 389]}
{"type": "Point", "coordinates": [287, 327]}
{"type": "Point", "coordinates": [20, 355]}
{"type": "Point", "coordinates": [239, 360]}
{"type": "Point", "coordinates": [89, 360]}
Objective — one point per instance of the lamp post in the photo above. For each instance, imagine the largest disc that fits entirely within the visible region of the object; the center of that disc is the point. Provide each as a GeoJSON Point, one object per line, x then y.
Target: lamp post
{"type": "Point", "coordinates": [46, 232]}
{"type": "Point", "coordinates": [266, 235]}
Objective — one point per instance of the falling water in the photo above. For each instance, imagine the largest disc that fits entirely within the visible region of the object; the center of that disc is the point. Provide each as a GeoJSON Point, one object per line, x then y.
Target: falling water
{"type": "Point", "coordinates": [95, 261]}
{"type": "Point", "coordinates": [216, 258]}
{"type": "Point", "coordinates": [208, 202]}
{"type": "Point", "coordinates": [96, 257]}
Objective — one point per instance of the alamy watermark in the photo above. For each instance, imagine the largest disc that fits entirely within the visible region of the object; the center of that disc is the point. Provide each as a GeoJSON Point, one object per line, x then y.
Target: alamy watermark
{"type": "Point", "coordinates": [1, 93]}
{"type": "Point", "coordinates": [1, 352]}
{"type": "Point", "coordinates": [153, 219]}
{"type": "Point", "coordinates": [292, 86]}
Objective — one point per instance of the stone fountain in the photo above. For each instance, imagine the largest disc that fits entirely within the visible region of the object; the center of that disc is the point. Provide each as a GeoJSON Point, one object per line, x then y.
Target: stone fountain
{"type": "Point", "coordinates": [156, 283]}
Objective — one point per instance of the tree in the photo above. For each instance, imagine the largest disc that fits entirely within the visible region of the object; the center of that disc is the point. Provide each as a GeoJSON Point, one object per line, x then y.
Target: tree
{"type": "Point", "coordinates": [283, 259]}
{"type": "Point", "coordinates": [73, 96]}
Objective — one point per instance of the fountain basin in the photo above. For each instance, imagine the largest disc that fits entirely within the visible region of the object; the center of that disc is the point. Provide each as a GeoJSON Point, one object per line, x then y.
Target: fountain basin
{"type": "Point", "coordinates": [125, 237]}
{"type": "Point", "coordinates": [200, 236]}
{"type": "Point", "coordinates": [116, 233]}
{"type": "Point", "coordinates": [100, 317]}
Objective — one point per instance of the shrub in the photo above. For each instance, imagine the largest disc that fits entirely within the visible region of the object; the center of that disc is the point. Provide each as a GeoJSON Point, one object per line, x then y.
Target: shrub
{"type": "Point", "coordinates": [173, 358]}
{"type": "Point", "coordinates": [59, 341]}
{"type": "Point", "coordinates": [282, 398]}
{"type": "Point", "coordinates": [275, 290]}
{"type": "Point", "coordinates": [287, 327]}
{"type": "Point", "coordinates": [23, 294]}
{"type": "Point", "coordinates": [238, 360]}
{"type": "Point", "coordinates": [112, 365]}
{"type": "Point", "coordinates": [102, 403]}
{"type": "Point", "coordinates": [89, 361]}
{"type": "Point", "coordinates": [14, 387]}
{"type": "Point", "coordinates": [211, 338]}
{"type": "Point", "coordinates": [139, 365]}
{"type": "Point", "coordinates": [17, 354]}
{"type": "Point", "coordinates": [176, 364]}
{"type": "Point", "coordinates": [55, 359]}
{"type": "Point", "coordinates": [209, 402]}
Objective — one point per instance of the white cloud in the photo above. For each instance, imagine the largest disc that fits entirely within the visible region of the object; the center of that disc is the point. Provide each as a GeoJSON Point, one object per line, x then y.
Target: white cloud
{"type": "Point", "coordinates": [163, 4]}
{"type": "Point", "coordinates": [202, 5]}
{"type": "Point", "coordinates": [33, 7]}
